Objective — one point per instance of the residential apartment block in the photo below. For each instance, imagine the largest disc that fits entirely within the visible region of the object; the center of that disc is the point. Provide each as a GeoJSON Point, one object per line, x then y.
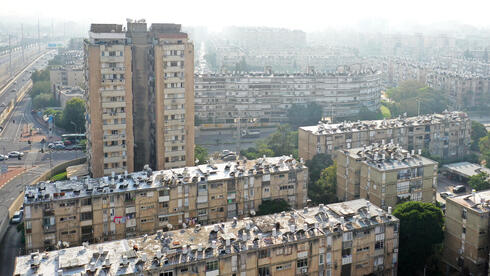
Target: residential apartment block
{"type": "Point", "coordinates": [264, 99]}
{"type": "Point", "coordinates": [132, 204]}
{"type": "Point", "coordinates": [348, 238]}
{"type": "Point", "coordinates": [67, 75]}
{"type": "Point", "coordinates": [466, 233]}
{"type": "Point", "coordinates": [140, 99]}
{"type": "Point", "coordinates": [385, 175]}
{"type": "Point", "coordinates": [445, 135]}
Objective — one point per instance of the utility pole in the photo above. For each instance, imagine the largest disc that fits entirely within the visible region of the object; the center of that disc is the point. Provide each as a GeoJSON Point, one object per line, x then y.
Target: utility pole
{"type": "Point", "coordinates": [418, 100]}
{"type": "Point", "coordinates": [22, 41]}
{"type": "Point", "coordinates": [10, 57]}
{"type": "Point", "coordinates": [38, 36]}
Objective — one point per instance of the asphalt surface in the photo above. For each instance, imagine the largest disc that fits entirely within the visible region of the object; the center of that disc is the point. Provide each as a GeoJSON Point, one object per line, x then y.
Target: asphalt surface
{"type": "Point", "coordinates": [11, 242]}
{"type": "Point", "coordinates": [18, 61]}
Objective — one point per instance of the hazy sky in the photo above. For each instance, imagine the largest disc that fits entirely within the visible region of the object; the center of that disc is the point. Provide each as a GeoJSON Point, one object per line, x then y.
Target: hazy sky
{"type": "Point", "coordinates": [308, 15]}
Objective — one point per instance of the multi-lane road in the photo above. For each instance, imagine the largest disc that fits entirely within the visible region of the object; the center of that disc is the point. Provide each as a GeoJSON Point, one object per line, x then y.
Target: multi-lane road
{"type": "Point", "coordinates": [34, 162]}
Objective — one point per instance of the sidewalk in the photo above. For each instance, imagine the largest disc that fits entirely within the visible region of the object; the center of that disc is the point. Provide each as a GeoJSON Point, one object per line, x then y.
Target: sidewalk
{"type": "Point", "coordinates": [12, 172]}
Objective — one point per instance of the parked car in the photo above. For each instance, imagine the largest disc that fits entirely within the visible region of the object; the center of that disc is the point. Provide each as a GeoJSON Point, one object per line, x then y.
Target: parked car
{"type": "Point", "coordinates": [59, 146]}
{"type": "Point", "coordinates": [74, 147]}
{"type": "Point", "coordinates": [17, 218]}
{"type": "Point", "coordinates": [446, 194]}
{"type": "Point", "coordinates": [3, 157]}
{"type": "Point", "coordinates": [459, 189]}
{"type": "Point", "coordinates": [13, 154]}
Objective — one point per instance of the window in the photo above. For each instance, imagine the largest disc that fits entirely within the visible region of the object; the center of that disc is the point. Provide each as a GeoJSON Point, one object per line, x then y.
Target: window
{"type": "Point", "coordinates": [264, 253]}
{"type": "Point", "coordinates": [321, 260]}
{"type": "Point", "coordinates": [379, 245]}
{"type": "Point", "coordinates": [167, 273]}
{"type": "Point", "coordinates": [86, 201]}
{"type": "Point", "coordinates": [85, 216]}
{"type": "Point", "coordinates": [283, 267]}
{"type": "Point", "coordinates": [213, 265]}
{"type": "Point", "coordinates": [264, 271]}
{"type": "Point", "coordinates": [302, 263]}
{"type": "Point", "coordinates": [464, 214]}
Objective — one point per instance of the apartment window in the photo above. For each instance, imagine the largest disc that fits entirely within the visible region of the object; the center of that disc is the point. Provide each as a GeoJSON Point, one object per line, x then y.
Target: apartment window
{"type": "Point", "coordinates": [321, 260]}
{"type": "Point", "coordinates": [302, 263]}
{"type": "Point", "coordinates": [379, 245]}
{"type": "Point", "coordinates": [213, 265]}
{"type": "Point", "coordinates": [163, 193]}
{"type": "Point", "coordinates": [86, 201]}
{"type": "Point", "coordinates": [283, 267]}
{"type": "Point", "coordinates": [168, 273]}
{"type": "Point", "coordinates": [264, 271]}
{"type": "Point", "coordinates": [85, 216]}
{"type": "Point", "coordinates": [264, 253]}
{"type": "Point", "coordinates": [464, 214]}
{"type": "Point", "coordinates": [163, 219]}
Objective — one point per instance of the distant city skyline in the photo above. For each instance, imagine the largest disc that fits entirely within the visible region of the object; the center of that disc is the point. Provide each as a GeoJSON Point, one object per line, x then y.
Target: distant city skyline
{"type": "Point", "coordinates": [309, 15]}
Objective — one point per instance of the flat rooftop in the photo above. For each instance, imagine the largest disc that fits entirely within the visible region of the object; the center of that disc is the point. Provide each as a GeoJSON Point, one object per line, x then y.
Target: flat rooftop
{"type": "Point", "coordinates": [349, 127]}
{"type": "Point", "coordinates": [465, 169]}
{"type": "Point", "coordinates": [192, 245]}
{"type": "Point", "coordinates": [479, 202]}
{"type": "Point", "coordinates": [388, 157]}
{"type": "Point", "coordinates": [148, 179]}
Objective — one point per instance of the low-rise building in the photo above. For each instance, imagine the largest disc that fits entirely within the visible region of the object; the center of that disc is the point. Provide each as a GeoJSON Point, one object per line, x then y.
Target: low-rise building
{"type": "Point", "coordinates": [385, 174]}
{"type": "Point", "coordinates": [127, 205]}
{"type": "Point", "coordinates": [66, 93]}
{"type": "Point", "coordinates": [348, 238]}
{"type": "Point", "coordinates": [463, 171]}
{"type": "Point", "coordinates": [67, 75]}
{"type": "Point", "coordinates": [446, 135]}
{"type": "Point", "coordinates": [466, 233]}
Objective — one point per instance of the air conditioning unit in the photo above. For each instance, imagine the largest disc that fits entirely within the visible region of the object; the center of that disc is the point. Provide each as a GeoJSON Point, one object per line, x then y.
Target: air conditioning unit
{"type": "Point", "coordinates": [304, 270]}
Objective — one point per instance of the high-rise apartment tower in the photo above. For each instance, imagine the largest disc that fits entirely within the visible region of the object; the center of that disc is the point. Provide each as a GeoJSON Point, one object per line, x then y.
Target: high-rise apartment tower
{"type": "Point", "coordinates": [140, 98]}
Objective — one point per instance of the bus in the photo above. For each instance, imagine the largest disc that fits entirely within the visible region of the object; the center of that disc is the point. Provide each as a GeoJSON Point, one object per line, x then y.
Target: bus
{"type": "Point", "coordinates": [72, 139]}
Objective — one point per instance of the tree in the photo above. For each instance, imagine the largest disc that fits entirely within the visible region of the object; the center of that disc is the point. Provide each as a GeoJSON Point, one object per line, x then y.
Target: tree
{"type": "Point", "coordinates": [317, 164]}
{"type": "Point", "coordinates": [42, 75]}
{"type": "Point", "coordinates": [74, 115]}
{"type": "Point", "coordinates": [283, 141]}
{"type": "Point", "coordinates": [273, 206]}
{"type": "Point", "coordinates": [478, 131]}
{"type": "Point", "coordinates": [304, 115]}
{"type": "Point", "coordinates": [421, 230]}
{"type": "Point", "coordinates": [406, 95]}
{"type": "Point", "coordinates": [324, 189]}
{"type": "Point", "coordinates": [40, 87]}
{"type": "Point", "coordinates": [201, 154]}
{"type": "Point", "coordinates": [480, 181]}
{"type": "Point", "coordinates": [484, 145]}
{"type": "Point", "coordinates": [43, 100]}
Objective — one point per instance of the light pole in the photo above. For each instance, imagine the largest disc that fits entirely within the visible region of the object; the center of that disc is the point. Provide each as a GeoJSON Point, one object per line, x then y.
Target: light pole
{"type": "Point", "coordinates": [75, 125]}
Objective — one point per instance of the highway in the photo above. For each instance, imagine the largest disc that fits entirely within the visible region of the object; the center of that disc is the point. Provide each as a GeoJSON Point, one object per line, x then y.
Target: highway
{"type": "Point", "coordinates": [18, 61]}
{"type": "Point", "coordinates": [34, 162]}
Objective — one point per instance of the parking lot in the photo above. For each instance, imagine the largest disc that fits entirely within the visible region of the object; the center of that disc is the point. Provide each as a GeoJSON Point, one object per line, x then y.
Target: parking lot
{"type": "Point", "coordinates": [445, 184]}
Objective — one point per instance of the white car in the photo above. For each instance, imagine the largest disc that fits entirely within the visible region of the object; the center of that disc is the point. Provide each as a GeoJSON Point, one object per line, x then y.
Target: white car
{"type": "Point", "coordinates": [17, 218]}
{"type": "Point", "coordinates": [14, 154]}
{"type": "Point", "coordinates": [3, 157]}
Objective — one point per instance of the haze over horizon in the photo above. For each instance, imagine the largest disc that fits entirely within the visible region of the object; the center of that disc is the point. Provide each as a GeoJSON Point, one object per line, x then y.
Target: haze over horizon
{"type": "Point", "coordinates": [310, 16]}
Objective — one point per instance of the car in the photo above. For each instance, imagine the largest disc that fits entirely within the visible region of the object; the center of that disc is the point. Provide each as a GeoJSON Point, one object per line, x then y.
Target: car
{"type": "Point", "coordinates": [446, 194]}
{"type": "Point", "coordinates": [3, 157]}
{"type": "Point", "coordinates": [459, 189]}
{"type": "Point", "coordinates": [51, 145]}
{"type": "Point", "coordinates": [13, 154]}
{"type": "Point", "coordinates": [59, 146]}
{"type": "Point", "coordinates": [74, 147]}
{"type": "Point", "coordinates": [13, 90]}
{"type": "Point", "coordinates": [17, 218]}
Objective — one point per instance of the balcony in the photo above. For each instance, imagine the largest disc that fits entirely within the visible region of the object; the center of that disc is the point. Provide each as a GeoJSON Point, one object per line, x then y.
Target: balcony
{"type": "Point", "coordinates": [49, 228]}
{"type": "Point", "coordinates": [346, 259]}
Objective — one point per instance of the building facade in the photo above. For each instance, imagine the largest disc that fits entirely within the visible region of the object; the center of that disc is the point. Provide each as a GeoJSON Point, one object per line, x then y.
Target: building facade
{"type": "Point", "coordinates": [264, 99]}
{"type": "Point", "coordinates": [140, 99]}
{"type": "Point", "coordinates": [127, 205]}
{"type": "Point", "coordinates": [446, 135]}
{"type": "Point", "coordinates": [385, 175]}
{"type": "Point", "coordinates": [348, 238]}
{"type": "Point", "coordinates": [466, 233]}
